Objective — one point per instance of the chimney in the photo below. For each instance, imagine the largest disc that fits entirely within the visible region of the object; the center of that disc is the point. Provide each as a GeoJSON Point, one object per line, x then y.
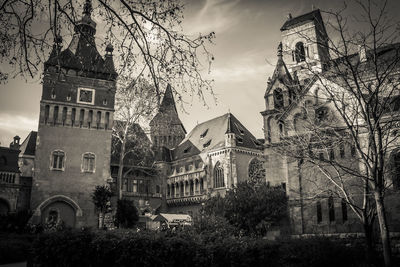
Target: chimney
{"type": "Point", "coordinates": [362, 52]}
{"type": "Point", "coordinates": [289, 16]}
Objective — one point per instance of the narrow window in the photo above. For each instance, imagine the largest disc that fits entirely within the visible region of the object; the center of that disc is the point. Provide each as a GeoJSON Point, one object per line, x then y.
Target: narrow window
{"type": "Point", "coordinates": [98, 119]}
{"type": "Point", "coordinates": [107, 122]}
{"type": "Point", "coordinates": [90, 118]}
{"type": "Point", "coordinates": [321, 156]}
{"type": "Point", "coordinates": [55, 115]}
{"type": "Point", "coordinates": [353, 149]}
{"type": "Point", "coordinates": [342, 153]}
{"type": "Point", "coordinates": [81, 117]}
{"type": "Point", "coordinates": [73, 115]}
{"type": "Point", "coordinates": [168, 190]}
{"type": "Point", "coordinates": [201, 185]}
{"type": "Point", "coordinates": [181, 189]}
{"type": "Point", "coordinates": [64, 115]}
{"type": "Point", "coordinates": [88, 164]}
{"type": "Point", "coordinates": [58, 157]}
{"type": "Point", "coordinates": [134, 186]}
{"type": "Point", "coordinates": [319, 212]}
{"type": "Point", "coordinates": [331, 208]}
{"type": "Point", "coordinates": [204, 134]}
{"type": "Point", "coordinates": [278, 98]}
{"type": "Point", "coordinates": [191, 184]}
{"type": "Point", "coordinates": [331, 154]}
{"type": "Point", "coordinates": [46, 113]}
{"type": "Point", "coordinates": [344, 210]}
{"type": "Point", "coordinates": [158, 189]}
{"type": "Point", "coordinates": [300, 52]}
{"type": "Point", "coordinates": [207, 144]}
{"type": "Point", "coordinates": [129, 185]}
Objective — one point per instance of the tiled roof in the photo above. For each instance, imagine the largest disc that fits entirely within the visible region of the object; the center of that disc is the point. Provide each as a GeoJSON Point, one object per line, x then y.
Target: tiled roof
{"type": "Point", "coordinates": [28, 147]}
{"type": "Point", "coordinates": [314, 15]}
{"type": "Point", "coordinates": [210, 135]}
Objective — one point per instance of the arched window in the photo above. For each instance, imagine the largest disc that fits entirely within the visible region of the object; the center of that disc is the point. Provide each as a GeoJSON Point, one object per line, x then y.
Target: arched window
{"type": "Point", "coordinates": [81, 117]}
{"type": "Point", "coordinates": [157, 189]}
{"type": "Point", "coordinates": [182, 189]}
{"type": "Point", "coordinates": [299, 52]}
{"type": "Point", "coordinates": [107, 122]}
{"type": "Point", "coordinates": [172, 190]}
{"type": "Point", "coordinates": [46, 113]}
{"type": "Point", "coordinates": [256, 170]}
{"type": "Point", "coordinates": [64, 115]}
{"type": "Point", "coordinates": [57, 160]}
{"type": "Point", "coordinates": [55, 115]}
{"type": "Point", "coordinates": [186, 188]}
{"type": "Point", "coordinates": [73, 115]}
{"type": "Point", "coordinates": [319, 212]}
{"type": "Point", "coordinates": [395, 170]}
{"type": "Point", "coordinates": [168, 190]}
{"type": "Point", "coordinates": [278, 98]}
{"type": "Point", "coordinates": [201, 185]}
{"type": "Point", "coordinates": [218, 176]}
{"type": "Point", "coordinates": [331, 208]}
{"type": "Point", "coordinates": [344, 210]}
{"type": "Point", "coordinates": [191, 185]}
{"type": "Point", "coordinates": [98, 119]}
{"type": "Point", "coordinates": [88, 162]}
{"type": "Point", "coordinates": [90, 118]}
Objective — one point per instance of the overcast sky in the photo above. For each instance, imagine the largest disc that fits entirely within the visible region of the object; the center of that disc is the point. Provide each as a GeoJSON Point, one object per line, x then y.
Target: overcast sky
{"type": "Point", "coordinates": [247, 36]}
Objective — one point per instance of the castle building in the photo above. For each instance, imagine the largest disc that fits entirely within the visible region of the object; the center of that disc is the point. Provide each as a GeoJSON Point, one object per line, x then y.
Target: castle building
{"type": "Point", "coordinates": [295, 98]}
{"type": "Point", "coordinates": [211, 159]}
{"type": "Point", "coordinates": [73, 146]}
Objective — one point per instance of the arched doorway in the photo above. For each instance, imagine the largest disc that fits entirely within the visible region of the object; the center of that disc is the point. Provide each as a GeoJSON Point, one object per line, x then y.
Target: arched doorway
{"type": "Point", "coordinates": [4, 207]}
{"type": "Point", "coordinates": [57, 212]}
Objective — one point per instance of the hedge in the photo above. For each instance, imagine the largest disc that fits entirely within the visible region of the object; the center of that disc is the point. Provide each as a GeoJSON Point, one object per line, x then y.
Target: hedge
{"type": "Point", "coordinates": [128, 248]}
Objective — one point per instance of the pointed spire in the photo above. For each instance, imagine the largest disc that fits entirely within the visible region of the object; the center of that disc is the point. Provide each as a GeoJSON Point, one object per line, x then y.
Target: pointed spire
{"type": "Point", "coordinates": [280, 50]}
{"type": "Point", "coordinates": [87, 8]}
{"type": "Point", "coordinates": [229, 126]}
{"type": "Point", "coordinates": [168, 99]}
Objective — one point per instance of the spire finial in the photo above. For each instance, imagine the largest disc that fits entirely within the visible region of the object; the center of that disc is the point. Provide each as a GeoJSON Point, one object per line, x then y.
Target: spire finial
{"type": "Point", "coordinates": [280, 50]}
{"type": "Point", "coordinates": [87, 8]}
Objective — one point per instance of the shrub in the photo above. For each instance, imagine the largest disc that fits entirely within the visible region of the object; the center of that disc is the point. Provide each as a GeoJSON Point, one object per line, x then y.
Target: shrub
{"type": "Point", "coordinates": [15, 222]}
{"type": "Point", "coordinates": [127, 214]}
{"type": "Point", "coordinates": [15, 247]}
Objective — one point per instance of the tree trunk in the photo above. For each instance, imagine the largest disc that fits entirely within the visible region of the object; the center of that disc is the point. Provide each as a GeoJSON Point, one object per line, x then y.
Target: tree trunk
{"type": "Point", "coordinates": [101, 220]}
{"type": "Point", "coordinates": [121, 169]}
{"type": "Point", "coordinates": [384, 231]}
{"type": "Point", "coordinates": [370, 252]}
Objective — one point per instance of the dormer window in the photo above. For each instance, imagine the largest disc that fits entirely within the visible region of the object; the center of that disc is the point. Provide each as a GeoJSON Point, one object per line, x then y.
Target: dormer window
{"type": "Point", "coordinates": [187, 150]}
{"type": "Point", "coordinates": [239, 139]}
{"type": "Point", "coordinates": [86, 96]}
{"type": "Point", "coordinates": [204, 134]}
{"type": "Point", "coordinates": [239, 128]}
{"type": "Point", "coordinates": [299, 52]}
{"type": "Point", "coordinates": [207, 144]}
{"type": "Point", "coordinates": [53, 94]}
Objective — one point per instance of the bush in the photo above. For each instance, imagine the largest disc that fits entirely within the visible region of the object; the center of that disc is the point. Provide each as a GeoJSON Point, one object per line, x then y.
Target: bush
{"type": "Point", "coordinates": [127, 214]}
{"type": "Point", "coordinates": [15, 247]}
{"type": "Point", "coordinates": [15, 222]}
{"type": "Point", "coordinates": [186, 248]}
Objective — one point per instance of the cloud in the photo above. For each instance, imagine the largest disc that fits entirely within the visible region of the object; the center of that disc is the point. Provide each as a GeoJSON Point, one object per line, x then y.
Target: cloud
{"type": "Point", "coordinates": [11, 125]}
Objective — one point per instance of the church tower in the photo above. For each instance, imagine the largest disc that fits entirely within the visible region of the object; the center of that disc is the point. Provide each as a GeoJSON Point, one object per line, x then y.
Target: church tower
{"type": "Point", "coordinates": [305, 44]}
{"type": "Point", "coordinates": [74, 137]}
{"type": "Point", "coordinates": [166, 129]}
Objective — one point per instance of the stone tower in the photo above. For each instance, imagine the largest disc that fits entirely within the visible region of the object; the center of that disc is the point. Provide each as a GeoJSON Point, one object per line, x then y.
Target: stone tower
{"type": "Point", "coordinates": [74, 135]}
{"type": "Point", "coordinates": [166, 129]}
{"type": "Point", "coordinates": [305, 43]}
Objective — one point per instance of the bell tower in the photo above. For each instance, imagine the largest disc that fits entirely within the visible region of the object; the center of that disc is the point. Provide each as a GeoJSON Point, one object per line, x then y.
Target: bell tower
{"type": "Point", "coordinates": [73, 146]}
{"type": "Point", "coordinates": [305, 43]}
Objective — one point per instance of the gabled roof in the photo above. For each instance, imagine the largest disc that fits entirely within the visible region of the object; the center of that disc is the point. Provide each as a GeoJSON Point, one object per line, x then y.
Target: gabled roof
{"type": "Point", "coordinates": [314, 15]}
{"type": "Point", "coordinates": [210, 135]}
{"type": "Point", "coordinates": [167, 111]}
{"type": "Point", "coordinates": [28, 147]}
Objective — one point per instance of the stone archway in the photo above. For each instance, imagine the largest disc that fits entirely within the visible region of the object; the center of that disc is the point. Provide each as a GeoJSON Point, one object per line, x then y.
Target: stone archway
{"type": "Point", "coordinates": [4, 207]}
{"type": "Point", "coordinates": [59, 208]}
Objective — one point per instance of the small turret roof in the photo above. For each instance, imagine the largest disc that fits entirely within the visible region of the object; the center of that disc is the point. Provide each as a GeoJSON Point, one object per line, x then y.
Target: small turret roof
{"type": "Point", "coordinates": [314, 15]}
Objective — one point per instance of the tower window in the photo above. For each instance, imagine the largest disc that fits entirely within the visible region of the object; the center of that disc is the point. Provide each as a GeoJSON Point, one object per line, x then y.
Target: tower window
{"type": "Point", "coordinates": [81, 117]}
{"type": "Point", "coordinates": [278, 98]}
{"type": "Point", "coordinates": [344, 210]}
{"type": "Point", "coordinates": [299, 53]}
{"type": "Point", "coordinates": [107, 122]}
{"type": "Point", "coordinates": [57, 160]}
{"type": "Point", "coordinates": [88, 162]}
{"type": "Point", "coordinates": [90, 118]}
{"type": "Point", "coordinates": [342, 150]}
{"type": "Point", "coordinates": [64, 115]}
{"type": "Point", "coordinates": [55, 115]}
{"type": "Point", "coordinates": [73, 114]}
{"type": "Point", "coordinates": [98, 119]}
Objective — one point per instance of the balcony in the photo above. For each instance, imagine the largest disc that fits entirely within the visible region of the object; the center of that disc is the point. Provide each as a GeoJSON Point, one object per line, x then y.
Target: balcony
{"type": "Point", "coordinates": [188, 200]}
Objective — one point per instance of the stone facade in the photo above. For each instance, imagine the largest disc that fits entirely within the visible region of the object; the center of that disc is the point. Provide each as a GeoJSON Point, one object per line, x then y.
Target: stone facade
{"type": "Point", "coordinates": [293, 97]}
{"type": "Point", "coordinates": [73, 146]}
